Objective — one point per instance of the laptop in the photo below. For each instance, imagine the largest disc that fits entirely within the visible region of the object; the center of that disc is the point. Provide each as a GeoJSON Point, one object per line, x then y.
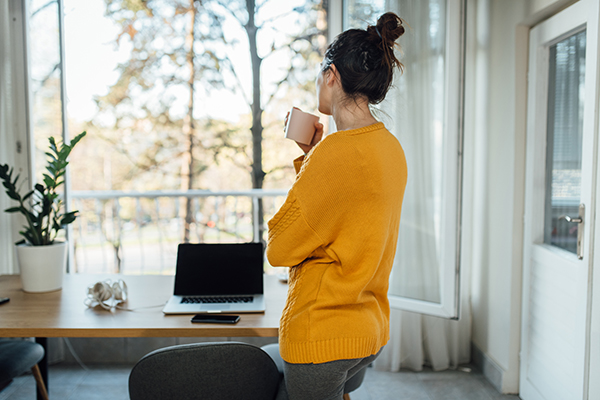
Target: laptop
{"type": "Point", "coordinates": [218, 278]}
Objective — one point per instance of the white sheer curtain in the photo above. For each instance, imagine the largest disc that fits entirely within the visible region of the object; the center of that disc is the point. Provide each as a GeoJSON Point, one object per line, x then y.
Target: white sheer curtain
{"type": "Point", "coordinates": [414, 111]}
{"type": "Point", "coordinates": [6, 133]}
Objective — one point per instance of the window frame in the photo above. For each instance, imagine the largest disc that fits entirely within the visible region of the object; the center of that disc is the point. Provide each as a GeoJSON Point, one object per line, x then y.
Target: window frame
{"type": "Point", "coordinates": [18, 135]}
{"type": "Point", "coordinates": [450, 276]}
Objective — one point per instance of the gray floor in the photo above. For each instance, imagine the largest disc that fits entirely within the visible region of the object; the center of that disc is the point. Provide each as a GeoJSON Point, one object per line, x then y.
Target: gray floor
{"type": "Point", "coordinates": [110, 382]}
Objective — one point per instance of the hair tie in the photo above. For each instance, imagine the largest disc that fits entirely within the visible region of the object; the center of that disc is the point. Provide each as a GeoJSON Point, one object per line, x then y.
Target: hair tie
{"type": "Point", "coordinates": [379, 33]}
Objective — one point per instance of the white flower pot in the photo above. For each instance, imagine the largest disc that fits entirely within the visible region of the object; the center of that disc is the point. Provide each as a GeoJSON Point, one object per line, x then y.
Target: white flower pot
{"type": "Point", "coordinates": [42, 267]}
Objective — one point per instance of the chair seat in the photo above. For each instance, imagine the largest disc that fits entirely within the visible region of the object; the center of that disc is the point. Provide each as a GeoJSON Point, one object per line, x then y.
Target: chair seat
{"type": "Point", "coordinates": [351, 385]}
{"type": "Point", "coordinates": [17, 357]}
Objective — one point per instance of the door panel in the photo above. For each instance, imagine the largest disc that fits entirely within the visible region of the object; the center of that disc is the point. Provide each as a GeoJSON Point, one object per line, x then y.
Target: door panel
{"type": "Point", "coordinates": [560, 167]}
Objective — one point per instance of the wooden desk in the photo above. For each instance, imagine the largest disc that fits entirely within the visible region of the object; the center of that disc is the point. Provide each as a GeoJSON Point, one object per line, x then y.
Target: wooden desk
{"type": "Point", "coordinates": [63, 314]}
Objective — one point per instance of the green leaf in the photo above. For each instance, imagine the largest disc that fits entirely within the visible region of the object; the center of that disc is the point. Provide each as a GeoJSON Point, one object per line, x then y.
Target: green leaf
{"type": "Point", "coordinates": [13, 195]}
{"type": "Point", "coordinates": [48, 181]}
{"type": "Point", "coordinates": [52, 168]}
{"type": "Point", "coordinates": [29, 214]}
{"type": "Point", "coordinates": [64, 152]}
{"type": "Point", "coordinates": [27, 235]}
{"type": "Point", "coordinates": [28, 195]}
{"type": "Point", "coordinates": [46, 206]}
{"type": "Point", "coordinates": [77, 138]}
{"type": "Point", "coordinates": [37, 221]}
{"type": "Point", "coordinates": [53, 144]}
{"type": "Point", "coordinates": [68, 218]}
{"type": "Point", "coordinates": [4, 171]}
{"type": "Point", "coordinates": [13, 210]}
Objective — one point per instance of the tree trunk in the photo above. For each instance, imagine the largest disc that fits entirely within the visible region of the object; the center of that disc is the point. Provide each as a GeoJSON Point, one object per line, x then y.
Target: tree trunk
{"type": "Point", "coordinates": [258, 174]}
{"type": "Point", "coordinates": [187, 170]}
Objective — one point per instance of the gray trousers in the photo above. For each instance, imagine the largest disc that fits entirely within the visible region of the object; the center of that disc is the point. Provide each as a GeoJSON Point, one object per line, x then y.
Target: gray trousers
{"type": "Point", "coordinates": [320, 381]}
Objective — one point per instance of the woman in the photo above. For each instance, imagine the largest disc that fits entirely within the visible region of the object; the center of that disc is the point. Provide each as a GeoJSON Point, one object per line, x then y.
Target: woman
{"type": "Point", "coordinates": [338, 228]}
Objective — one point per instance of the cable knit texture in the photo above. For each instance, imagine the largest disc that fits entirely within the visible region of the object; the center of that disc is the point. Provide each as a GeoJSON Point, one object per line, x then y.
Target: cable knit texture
{"type": "Point", "coordinates": [337, 231]}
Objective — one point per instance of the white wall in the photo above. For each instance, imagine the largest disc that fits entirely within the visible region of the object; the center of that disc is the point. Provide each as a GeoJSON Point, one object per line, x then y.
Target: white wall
{"type": "Point", "coordinates": [497, 333]}
{"type": "Point", "coordinates": [498, 79]}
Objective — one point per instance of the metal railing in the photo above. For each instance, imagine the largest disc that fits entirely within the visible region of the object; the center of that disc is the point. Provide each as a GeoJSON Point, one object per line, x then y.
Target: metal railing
{"type": "Point", "coordinates": [138, 232]}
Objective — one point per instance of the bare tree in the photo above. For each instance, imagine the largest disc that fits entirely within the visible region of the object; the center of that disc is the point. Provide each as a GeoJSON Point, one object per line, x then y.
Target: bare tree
{"type": "Point", "coordinates": [245, 12]}
{"type": "Point", "coordinates": [167, 55]}
{"type": "Point", "coordinates": [181, 46]}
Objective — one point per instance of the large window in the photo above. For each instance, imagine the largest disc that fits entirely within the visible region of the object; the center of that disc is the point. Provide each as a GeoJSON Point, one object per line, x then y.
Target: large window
{"type": "Point", "coordinates": [423, 109]}
{"type": "Point", "coordinates": [165, 91]}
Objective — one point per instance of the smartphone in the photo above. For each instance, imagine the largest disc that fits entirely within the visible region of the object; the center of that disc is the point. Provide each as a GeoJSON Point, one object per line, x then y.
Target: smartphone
{"type": "Point", "coordinates": [4, 300]}
{"type": "Point", "coordinates": [215, 319]}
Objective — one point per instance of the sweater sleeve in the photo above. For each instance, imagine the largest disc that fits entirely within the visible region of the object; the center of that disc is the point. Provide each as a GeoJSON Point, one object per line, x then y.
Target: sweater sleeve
{"type": "Point", "coordinates": [291, 240]}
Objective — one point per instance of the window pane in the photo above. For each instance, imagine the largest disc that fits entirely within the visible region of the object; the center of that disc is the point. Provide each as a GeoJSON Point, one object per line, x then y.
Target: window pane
{"type": "Point", "coordinates": [414, 112]}
{"type": "Point", "coordinates": [564, 133]}
{"type": "Point", "coordinates": [360, 12]}
{"type": "Point", "coordinates": [45, 77]}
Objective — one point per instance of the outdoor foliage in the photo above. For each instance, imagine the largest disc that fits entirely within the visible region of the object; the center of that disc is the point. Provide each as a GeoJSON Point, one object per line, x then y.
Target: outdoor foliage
{"type": "Point", "coordinates": [182, 54]}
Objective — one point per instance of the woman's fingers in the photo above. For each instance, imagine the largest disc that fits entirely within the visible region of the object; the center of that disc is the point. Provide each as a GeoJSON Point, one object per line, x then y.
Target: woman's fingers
{"type": "Point", "coordinates": [316, 138]}
{"type": "Point", "coordinates": [318, 134]}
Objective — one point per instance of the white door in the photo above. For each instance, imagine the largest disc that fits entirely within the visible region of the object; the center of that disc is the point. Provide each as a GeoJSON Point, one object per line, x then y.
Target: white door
{"type": "Point", "coordinates": [559, 194]}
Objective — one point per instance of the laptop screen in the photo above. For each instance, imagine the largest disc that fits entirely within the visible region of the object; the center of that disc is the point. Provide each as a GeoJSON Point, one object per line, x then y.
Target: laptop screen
{"type": "Point", "coordinates": [219, 269]}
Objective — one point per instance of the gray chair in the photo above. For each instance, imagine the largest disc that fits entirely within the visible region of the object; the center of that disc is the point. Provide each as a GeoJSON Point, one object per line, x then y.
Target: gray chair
{"type": "Point", "coordinates": [207, 371]}
{"type": "Point", "coordinates": [351, 385]}
{"type": "Point", "coordinates": [17, 357]}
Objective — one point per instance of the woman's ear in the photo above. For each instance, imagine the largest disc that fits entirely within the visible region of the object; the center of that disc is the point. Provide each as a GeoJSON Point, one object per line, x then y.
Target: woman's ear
{"type": "Point", "coordinates": [332, 75]}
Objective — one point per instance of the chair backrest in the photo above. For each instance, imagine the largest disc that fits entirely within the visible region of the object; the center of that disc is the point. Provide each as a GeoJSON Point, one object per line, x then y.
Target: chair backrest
{"type": "Point", "coordinates": [208, 371]}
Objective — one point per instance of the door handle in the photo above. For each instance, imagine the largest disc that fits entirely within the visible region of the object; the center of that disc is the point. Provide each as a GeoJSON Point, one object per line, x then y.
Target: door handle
{"type": "Point", "coordinates": [569, 219]}
{"type": "Point", "coordinates": [578, 220]}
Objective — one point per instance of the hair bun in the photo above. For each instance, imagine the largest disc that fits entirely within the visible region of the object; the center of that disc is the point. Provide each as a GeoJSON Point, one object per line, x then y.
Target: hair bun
{"type": "Point", "coordinates": [389, 27]}
{"type": "Point", "coordinates": [365, 59]}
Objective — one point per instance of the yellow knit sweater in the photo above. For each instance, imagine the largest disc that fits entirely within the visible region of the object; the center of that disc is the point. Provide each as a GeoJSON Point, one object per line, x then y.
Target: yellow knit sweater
{"type": "Point", "coordinates": [338, 230]}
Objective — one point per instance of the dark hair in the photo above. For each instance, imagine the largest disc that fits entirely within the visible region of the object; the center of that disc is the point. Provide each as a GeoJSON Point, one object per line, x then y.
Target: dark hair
{"type": "Point", "coordinates": [365, 59]}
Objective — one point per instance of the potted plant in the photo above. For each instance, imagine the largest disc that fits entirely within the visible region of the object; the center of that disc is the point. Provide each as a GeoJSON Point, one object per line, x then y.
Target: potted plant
{"type": "Point", "coordinates": [42, 258]}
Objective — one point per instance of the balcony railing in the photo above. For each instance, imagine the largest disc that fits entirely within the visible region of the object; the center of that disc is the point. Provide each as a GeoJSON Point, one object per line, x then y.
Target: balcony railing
{"type": "Point", "coordinates": [138, 232]}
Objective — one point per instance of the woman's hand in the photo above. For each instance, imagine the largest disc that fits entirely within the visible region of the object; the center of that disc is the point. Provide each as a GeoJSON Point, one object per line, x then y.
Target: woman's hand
{"type": "Point", "coordinates": [318, 135]}
{"type": "Point", "coordinates": [316, 138]}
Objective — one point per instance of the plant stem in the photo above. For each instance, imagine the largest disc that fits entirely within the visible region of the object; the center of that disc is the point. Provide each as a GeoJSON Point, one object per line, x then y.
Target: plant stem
{"type": "Point", "coordinates": [29, 222]}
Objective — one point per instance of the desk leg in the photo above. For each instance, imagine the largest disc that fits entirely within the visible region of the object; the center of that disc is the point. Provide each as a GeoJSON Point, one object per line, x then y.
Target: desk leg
{"type": "Point", "coordinates": [43, 364]}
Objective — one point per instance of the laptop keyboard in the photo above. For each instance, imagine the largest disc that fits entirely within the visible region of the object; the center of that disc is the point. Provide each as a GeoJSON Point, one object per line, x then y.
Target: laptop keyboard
{"type": "Point", "coordinates": [219, 299]}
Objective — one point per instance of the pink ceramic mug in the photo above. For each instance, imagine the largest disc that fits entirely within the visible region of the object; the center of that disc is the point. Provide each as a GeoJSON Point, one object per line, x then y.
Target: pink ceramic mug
{"type": "Point", "coordinates": [300, 126]}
